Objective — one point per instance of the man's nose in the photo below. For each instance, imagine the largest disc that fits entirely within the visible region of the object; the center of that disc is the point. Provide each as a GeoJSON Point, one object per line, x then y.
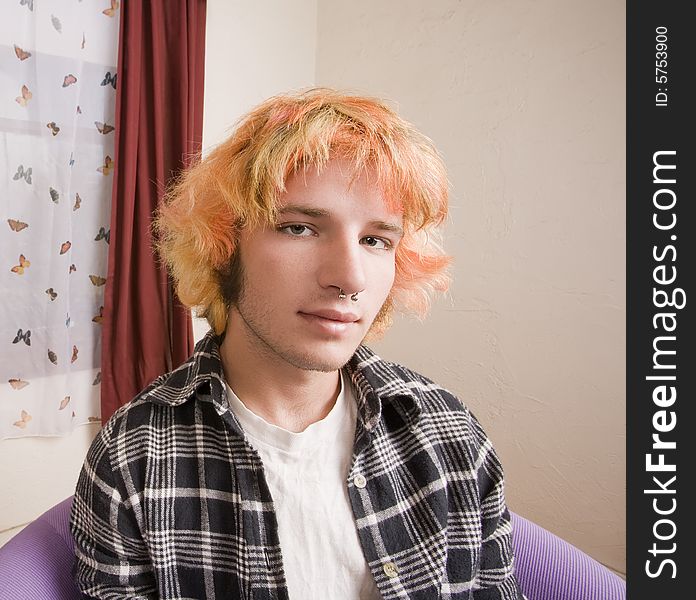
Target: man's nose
{"type": "Point", "coordinates": [342, 266]}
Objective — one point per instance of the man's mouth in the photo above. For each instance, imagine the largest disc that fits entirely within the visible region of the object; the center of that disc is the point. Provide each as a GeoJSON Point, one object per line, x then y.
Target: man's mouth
{"type": "Point", "coordinates": [332, 315]}
{"type": "Point", "coordinates": [329, 321]}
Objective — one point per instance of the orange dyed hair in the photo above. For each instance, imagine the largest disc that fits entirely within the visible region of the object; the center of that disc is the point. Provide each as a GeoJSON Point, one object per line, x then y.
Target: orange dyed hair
{"type": "Point", "coordinates": [239, 183]}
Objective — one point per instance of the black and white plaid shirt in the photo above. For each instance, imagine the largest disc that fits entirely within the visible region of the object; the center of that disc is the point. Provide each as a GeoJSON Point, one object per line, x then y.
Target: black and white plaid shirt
{"type": "Point", "coordinates": [172, 501]}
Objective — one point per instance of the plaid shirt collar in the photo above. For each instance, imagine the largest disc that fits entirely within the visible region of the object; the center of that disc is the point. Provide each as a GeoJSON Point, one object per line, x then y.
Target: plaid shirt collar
{"type": "Point", "coordinates": [375, 381]}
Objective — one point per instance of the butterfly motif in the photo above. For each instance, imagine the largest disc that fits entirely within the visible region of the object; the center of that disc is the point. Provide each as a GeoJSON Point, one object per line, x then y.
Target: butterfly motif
{"type": "Point", "coordinates": [56, 24]}
{"type": "Point", "coordinates": [108, 166]}
{"type": "Point", "coordinates": [28, 3]}
{"type": "Point", "coordinates": [55, 196]}
{"type": "Point", "coordinates": [103, 235]}
{"type": "Point", "coordinates": [96, 280]}
{"type": "Point", "coordinates": [110, 12]}
{"type": "Point", "coordinates": [52, 294]}
{"type": "Point", "coordinates": [110, 79]}
{"type": "Point", "coordinates": [53, 127]}
{"type": "Point", "coordinates": [23, 264]}
{"type": "Point", "coordinates": [78, 201]}
{"type": "Point", "coordinates": [82, 46]}
{"type": "Point", "coordinates": [52, 356]}
{"type": "Point", "coordinates": [78, 110]}
{"type": "Point", "coordinates": [100, 317]}
{"type": "Point", "coordinates": [25, 418]}
{"type": "Point", "coordinates": [22, 174]}
{"type": "Point", "coordinates": [24, 336]}
{"type": "Point", "coordinates": [64, 402]}
{"type": "Point", "coordinates": [18, 384]}
{"type": "Point", "coordinates": [23, 100]}
{"type": "Point", "coordinates": [71, 162]}
{"type": "Point", "coordinates": [17, 225]}
{"type": "Point", "coordinates": [104, 128]}
{"type": "Point", "coordinates": [97, 379]}
{"type": "Point", "coordinates": [21, 54]}
{"type": "Point", "coordinates": [72, 269]}
{"type": "Point", "coordinates": [69, 79]}
{"type": "Point", "coordinates": [74, 354]}
{"type": "Point", "coordinates": [64, 247]}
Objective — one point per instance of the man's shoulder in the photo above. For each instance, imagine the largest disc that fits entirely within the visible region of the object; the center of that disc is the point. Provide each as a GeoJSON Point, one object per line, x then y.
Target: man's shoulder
{"type": "Point", "coordinates": [390, 374]}
{"type": "Point", "coordinates": [199, 377]}
{"type": "Point", "coordinates": [442, 415]}
{"type": "Point", "coordinates": [393, 379]}
{"type": "Point", "coordinates": [431, 412]}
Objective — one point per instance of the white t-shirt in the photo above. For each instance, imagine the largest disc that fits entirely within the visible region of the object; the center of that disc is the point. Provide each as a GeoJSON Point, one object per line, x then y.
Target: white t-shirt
{"type": "Point", "coordinates": [307, 473]}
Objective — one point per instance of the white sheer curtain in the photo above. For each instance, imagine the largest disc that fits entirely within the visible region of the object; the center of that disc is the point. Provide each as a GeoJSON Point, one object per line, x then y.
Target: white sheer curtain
{"type": "Point", "coordinates": [58, 89]}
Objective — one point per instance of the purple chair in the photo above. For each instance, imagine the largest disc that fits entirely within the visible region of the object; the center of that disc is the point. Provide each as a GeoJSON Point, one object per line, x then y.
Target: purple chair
{"type": "Point", "coordinates": [37, 564]}
{"type": "Point", "coordinates": [549, 568]}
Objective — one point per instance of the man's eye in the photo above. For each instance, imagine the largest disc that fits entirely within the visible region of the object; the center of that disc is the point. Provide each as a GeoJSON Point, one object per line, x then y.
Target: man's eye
{"type": "Point", "coordinates": [296, 230]}
{"type": "Point", "coordinates": [375, 242]}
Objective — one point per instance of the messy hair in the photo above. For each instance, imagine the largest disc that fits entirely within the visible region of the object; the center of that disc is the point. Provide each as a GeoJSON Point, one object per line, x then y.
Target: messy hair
{"type": "Point", "coordinates": [239, 183]}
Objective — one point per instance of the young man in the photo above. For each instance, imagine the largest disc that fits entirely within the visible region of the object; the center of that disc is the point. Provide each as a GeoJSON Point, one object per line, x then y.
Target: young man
{"type": "Point", "coordinates": [285, 459]}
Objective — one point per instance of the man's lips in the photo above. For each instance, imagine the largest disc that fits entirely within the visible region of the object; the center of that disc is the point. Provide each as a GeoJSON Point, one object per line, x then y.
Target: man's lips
{"type": "Point", "coordinates": [331, 315]}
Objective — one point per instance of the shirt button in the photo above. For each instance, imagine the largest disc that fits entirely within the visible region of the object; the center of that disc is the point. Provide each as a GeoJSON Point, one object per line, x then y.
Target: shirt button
{"type": "Point", "coordinates": [360, 481]}
{"type": "Point", "coordinates": [390, 569]}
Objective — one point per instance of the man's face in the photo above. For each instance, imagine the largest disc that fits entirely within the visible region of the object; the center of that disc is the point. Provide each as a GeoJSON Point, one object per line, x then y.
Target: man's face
{"type": "Point", "coordinates": [332, 235]}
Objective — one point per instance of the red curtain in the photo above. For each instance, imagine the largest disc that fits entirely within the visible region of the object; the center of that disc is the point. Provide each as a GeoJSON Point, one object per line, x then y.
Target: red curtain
{"type": "Point", "coordinates": [159, 126]}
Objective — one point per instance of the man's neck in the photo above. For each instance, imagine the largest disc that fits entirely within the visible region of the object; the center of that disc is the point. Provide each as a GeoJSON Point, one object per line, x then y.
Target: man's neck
{"type": "Point", "coordinates": [275, 390]}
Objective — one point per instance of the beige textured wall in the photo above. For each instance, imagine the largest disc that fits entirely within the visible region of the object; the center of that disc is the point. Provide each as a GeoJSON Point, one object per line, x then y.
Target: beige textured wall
{"type": "Point", "coordinates": [526, 101]}
{"type": "Point", "coordinates": [254, 50]}
{"type": "Point", "coordinates": [38, 472]}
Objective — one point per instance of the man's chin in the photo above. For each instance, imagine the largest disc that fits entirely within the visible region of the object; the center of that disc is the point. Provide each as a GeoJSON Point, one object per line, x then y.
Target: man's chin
{"type": "Point", "coordinates": [331, 359]}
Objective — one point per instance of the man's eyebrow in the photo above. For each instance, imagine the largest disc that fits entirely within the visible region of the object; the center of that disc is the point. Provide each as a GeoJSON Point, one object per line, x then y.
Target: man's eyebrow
{"type": "Point", "coordinates": [320, 212]}
{"type": "Point", "coordinates": [391, 227]}
{"type": "Point", "coordinates": [304, 210]}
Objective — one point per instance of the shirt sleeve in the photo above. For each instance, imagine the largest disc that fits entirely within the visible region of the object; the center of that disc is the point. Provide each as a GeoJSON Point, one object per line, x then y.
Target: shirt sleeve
{"type": "Point", "coordinates": [496, 578]}
{"type": "Point", "coordinates": [112, 559]}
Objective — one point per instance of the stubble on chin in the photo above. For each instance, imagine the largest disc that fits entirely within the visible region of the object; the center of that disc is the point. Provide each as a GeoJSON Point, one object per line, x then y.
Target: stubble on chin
{"type": "Point", "coordinates": [258, 338]}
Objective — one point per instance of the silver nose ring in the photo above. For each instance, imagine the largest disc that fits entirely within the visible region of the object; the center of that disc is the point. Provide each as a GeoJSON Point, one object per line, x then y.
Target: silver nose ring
{"type": "Point", "coordinates": [342, 295]}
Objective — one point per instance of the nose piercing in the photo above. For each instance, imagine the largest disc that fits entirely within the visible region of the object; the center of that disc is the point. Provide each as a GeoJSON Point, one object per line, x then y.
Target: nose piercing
{"type": "Point", "coordinates": [342, 295]}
